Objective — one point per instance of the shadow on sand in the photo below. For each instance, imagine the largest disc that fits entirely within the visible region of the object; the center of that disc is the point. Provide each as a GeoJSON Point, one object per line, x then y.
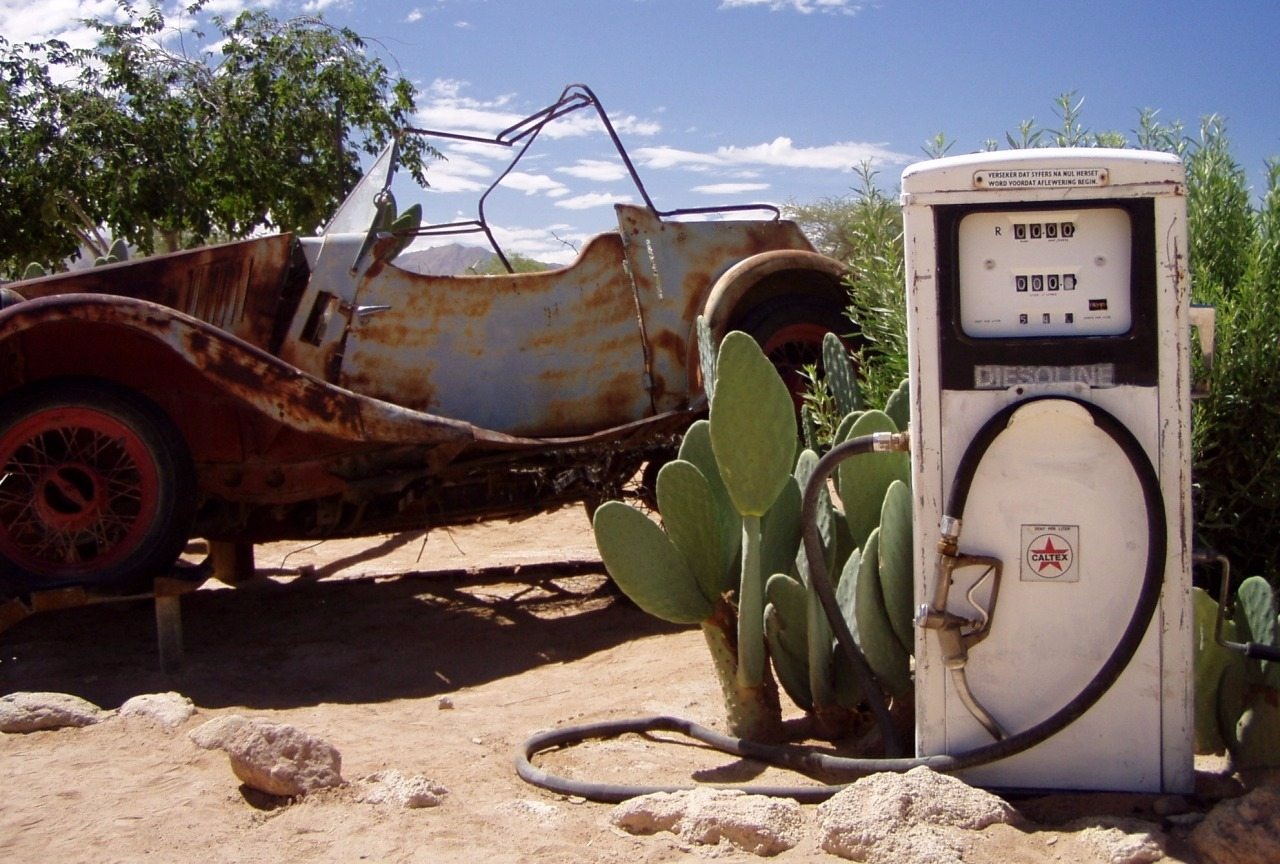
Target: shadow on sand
{"type": "Point", "coordinates": [274, 644]}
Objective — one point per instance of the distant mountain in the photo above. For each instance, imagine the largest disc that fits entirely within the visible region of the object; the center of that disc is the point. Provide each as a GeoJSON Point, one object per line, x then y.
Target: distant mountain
{"type": "Point", "coordinates": [451, 260]}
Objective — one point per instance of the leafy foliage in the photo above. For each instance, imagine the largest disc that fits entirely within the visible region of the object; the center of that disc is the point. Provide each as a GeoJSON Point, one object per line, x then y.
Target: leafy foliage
{"type": "Point", "coordinates": [166, 148]}
{"type": "Point", "coordinates": [864, 231]}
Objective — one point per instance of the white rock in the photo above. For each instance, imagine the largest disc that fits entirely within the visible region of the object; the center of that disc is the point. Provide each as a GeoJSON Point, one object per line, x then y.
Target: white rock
{"type": "Point", "coordinates": [31, 712]}
{"type": "Point", "coordinates": [214, 734]}
{"type": "Point", "coordinates": [1119, 841]}
{"type": "Point", "coordinates": [392, 787]}
{"type": "Point", "coordinates": [755, 823]}
{"type": "Point", "coordinates": [168, 710]}
{"type": "Point", "coordinates": [273, 757]}
{"type": "Point", "coordinates": [918, 816]}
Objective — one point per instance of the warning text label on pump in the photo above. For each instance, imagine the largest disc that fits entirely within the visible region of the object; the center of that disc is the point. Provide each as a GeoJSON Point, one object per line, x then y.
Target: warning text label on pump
{"type": "Point", "coordinates": [1039, 178]}
{"type": "Point", "coordinates": [1049, 553]}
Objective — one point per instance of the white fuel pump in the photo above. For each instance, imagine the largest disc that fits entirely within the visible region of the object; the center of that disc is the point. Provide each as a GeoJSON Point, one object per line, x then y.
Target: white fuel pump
{"type": "Point", "coordinates": [1050, 446]}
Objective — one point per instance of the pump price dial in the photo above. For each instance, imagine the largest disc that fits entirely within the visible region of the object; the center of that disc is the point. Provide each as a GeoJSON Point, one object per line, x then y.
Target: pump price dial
{"type": "Point", "coordinates": [1045, 273]}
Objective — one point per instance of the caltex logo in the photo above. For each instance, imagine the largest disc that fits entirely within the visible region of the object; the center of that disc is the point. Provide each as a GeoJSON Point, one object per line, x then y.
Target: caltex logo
{"type": "Point", "coordinates": [1049, 556]}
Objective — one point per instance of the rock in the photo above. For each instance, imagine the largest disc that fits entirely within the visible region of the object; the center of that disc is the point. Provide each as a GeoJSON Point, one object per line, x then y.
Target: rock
{"type": "Point", "coordinates": [1118, 840]}
{"type": "Point", "coordinates": [392, 787]}
{"type": "Point", "coordinates": [755, 823]}
{"type": "Point", "coordinates": [272, 757]}
{"type": "Point", "coordinates": [215, 734]}
{"type": "Point", "coordinates": [919, 816]}
{"type": "Point", "coordinates": [1241, 831]}
{"type": "Point", "coordinates": [168, 710]}
{"type": "Point", "coordinates": [544, 813]}
{"type": "Point", "coordinates": [31, 712]}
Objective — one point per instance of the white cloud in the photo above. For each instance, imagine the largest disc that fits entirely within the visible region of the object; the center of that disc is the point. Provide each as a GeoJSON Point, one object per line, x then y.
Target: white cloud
{"type": "Point", "coordinates": [730, 188]}
{"type": "Point", "coordinates": [804, 7]}
{"type": "Point", "coordinates": [555, 244]}
{"type": "Point", "coordinates": [781, 152]}
{"type": "Point", "coordinates": [231, 8]}
{"type": "Point", "coordinates": [414, 16]}
{"type": "Point", "coordinates": [458, 172]}
{"type": "Point", "coordinates": [317, 7]}
{"type": "Point", "coordinates": [24, 21]}
{"type": "Point", "coordinates": [448, 110]}
{"type": "Point", "coordinates": [597, 170]}
{"type": "Point", "coordinates": [533, 184]}
{"type": "Point", "coordinates": [592, 200]}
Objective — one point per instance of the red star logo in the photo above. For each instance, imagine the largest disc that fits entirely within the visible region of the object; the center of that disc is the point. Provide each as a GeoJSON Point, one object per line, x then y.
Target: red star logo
{"type": "Point", "coordinates": [1053, 557]}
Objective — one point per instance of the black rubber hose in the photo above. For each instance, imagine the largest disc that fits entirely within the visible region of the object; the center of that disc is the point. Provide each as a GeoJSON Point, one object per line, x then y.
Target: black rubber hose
{"type": "Point", "coordinates": [810, 760]}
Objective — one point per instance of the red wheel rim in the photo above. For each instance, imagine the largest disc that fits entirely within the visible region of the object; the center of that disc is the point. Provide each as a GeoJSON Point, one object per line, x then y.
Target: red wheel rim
{"type": "Point", "coordinates": [792, 348]}
{"type": "Point", "coordinates": [79, 491]}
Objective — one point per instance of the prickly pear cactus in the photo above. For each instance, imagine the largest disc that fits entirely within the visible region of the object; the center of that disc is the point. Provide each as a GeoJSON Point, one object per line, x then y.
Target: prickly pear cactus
{"type": "Point", "coordinates": [841, 376]}
{"type": "Point", "coordinates": [731, 514]}
{"type": "Point", "coordinates": [868, 551]}
{"type": "Point", "coordinates": [1238, 698]}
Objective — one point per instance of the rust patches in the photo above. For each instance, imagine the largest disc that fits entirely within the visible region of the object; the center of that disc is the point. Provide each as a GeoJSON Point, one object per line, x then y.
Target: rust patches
{"type": "Point", "coordinates": [233, 286]}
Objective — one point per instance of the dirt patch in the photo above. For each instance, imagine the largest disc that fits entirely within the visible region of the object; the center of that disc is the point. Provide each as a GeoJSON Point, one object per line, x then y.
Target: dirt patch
{"type": "Point", "coordinates": [434, 661]}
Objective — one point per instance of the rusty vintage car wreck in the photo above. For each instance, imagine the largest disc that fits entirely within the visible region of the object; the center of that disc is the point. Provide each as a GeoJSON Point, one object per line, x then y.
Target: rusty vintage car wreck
{"type": "Point", "coordinates": [308, 387]}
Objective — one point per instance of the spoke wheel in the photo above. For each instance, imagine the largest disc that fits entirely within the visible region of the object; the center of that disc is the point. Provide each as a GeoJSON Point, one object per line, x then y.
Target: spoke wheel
{"type": "Point", "coordinates": [96, 486]}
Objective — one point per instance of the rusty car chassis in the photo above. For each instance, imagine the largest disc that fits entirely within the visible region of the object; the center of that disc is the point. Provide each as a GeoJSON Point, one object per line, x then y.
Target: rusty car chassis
{"type": "Point", "coordinates": [308, 387]}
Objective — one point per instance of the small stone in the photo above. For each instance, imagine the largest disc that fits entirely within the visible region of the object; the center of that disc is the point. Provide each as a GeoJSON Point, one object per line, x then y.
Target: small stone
{"type": "Point", "coordinates": [32, 712]}
{"type": "Point", "coordinates": [168, 710]}
{"type": "Point", "coordinates": [392, 787]}
{"type": "Point", "coordinates": [273, 757]}
{"type": "Point", "coordinates": [1119, 841]}
{"type": "Point", "coordinates": [214, 734]}
{"type": "Point", "coordinates": [907, 817]}
{"type": "Point", "coordinates": [444, 703]}
{"type": "Point", "coordinates": [756, 823]}
{"type": "Point", "coordinates": [1241, 830]}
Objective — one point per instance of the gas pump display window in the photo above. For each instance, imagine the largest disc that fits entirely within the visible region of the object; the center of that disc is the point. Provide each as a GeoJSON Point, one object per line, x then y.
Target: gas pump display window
{"type": "Point", "coordinates": [1038, 273]}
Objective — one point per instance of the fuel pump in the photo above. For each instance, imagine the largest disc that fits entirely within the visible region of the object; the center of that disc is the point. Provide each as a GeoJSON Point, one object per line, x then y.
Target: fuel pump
{"type": "Point", "coordinates": [1050, 445]}
{"type": "Point", "coordinates": [1048, 324]}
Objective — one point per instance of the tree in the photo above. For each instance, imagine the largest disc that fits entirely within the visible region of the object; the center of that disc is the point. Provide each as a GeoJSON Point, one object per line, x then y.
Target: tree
{"type": "Point", "coordinates": [169, 149]}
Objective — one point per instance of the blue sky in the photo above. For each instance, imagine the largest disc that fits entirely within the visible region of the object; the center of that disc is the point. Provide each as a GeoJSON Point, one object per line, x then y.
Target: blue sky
{"type": "Point", "coordinates": [727, 101]}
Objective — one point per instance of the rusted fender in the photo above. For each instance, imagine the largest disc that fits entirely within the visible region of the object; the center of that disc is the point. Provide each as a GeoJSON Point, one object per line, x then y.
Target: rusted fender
{"type": "Point", "coordinates": [736, 282]}
{"type": "Point", "coordinates": [233, 366]}
{"type": "Point", "coordinates": [233, 286]}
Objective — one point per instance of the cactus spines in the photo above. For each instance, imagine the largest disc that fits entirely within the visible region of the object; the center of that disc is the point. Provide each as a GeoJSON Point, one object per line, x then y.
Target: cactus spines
{"type": "Point", "coordinates": [753, 425]}
{"type": "Point", "coordinates": [1256, 620]}
{"type": "Point", "coordinates": [787, 636]}
{"type": "Point", "coordinates": [885, 654]}
{"type": "Point", "coordinates": [1238, 697]}
{"type": "Point", "coordinates": [706, 356]}
{"type": "Point", "coordinates": [897, 573]}
{"type": "Point", "coordinates": [864, 481]}
{"type": "Point", "coordinates": [841, 376]}
{"type": "Point", "coordinates": [898, 405]}
{"type": "Point", "coordinates": [706, 532]}
{"type": "Point", "coordinates": [780, 527]}
{"type": "Point", "coordinates": [647, 566]}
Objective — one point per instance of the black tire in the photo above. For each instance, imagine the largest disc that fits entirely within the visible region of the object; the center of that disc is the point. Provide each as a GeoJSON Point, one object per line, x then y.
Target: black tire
{"type": "Point", "coordinates": [790, 330]}
{"type": "Point", "coordinates": [97, 487]}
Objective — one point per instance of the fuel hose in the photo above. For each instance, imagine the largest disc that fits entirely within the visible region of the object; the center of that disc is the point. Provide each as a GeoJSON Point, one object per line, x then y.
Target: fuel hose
{"type": "Point", "coordinates": [810, 761]}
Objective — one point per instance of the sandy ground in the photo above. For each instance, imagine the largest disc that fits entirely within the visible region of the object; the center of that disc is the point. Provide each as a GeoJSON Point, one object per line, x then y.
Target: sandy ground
{"type": "Point", "coordinates": [360, 643]}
